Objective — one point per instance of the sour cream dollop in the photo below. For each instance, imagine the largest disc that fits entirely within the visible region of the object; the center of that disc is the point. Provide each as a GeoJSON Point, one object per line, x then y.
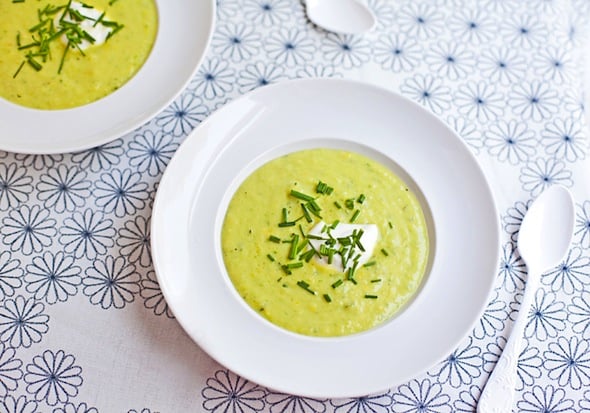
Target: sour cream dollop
{"type": "Point", "coordinates": [368, 240]}
{"type": "Point", "coordinates": [99, 32]}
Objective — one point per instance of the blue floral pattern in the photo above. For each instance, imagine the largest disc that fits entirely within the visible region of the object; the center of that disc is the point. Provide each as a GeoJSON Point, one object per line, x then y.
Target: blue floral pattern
{"type": "Point", "coordinates": [84, 323]}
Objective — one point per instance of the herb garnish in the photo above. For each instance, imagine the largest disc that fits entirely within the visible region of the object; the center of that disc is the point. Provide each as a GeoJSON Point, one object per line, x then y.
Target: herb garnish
{"type": "Point", "coordinates": [55, 24]}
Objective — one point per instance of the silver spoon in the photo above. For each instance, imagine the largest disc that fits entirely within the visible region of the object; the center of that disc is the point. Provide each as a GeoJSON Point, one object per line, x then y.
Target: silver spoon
{"type": "Point", "coordinates": [543, 240]}
{"type": "Point", "coordinates": [341, 16]}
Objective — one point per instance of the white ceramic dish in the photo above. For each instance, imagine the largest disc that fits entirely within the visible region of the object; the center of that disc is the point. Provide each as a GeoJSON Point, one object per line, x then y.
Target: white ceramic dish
{"type": "Point", "coordinates": [200, 180]}
{"type": "Point", "coordinates": [184, 31]}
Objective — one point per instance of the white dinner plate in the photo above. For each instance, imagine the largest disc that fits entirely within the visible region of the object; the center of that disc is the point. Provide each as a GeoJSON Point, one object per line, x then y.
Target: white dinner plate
{"type": "Point", "coordinates": [274, 120]}
{"type": "Point", "coordinates": [185, 28]}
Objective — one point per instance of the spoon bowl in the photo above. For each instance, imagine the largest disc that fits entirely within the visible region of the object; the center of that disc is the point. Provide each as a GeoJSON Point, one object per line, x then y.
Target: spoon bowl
{"type": "Point", "coordinates": [341, 16]}
{"type": "Point", "coordinates": [544, 238]}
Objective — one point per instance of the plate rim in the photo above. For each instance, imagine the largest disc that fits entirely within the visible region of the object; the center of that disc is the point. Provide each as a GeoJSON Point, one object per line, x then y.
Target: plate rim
{"type": "Point", "coordinates": [344, 82]}
{"type": "Point", "coordinates": [94, 138]}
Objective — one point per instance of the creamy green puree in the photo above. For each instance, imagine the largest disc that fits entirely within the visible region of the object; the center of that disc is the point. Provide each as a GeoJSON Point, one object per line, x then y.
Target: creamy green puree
{"type": "Point", "coordinates": [313, 298]}
{"type": "Point", "coordinates": [83, 78]}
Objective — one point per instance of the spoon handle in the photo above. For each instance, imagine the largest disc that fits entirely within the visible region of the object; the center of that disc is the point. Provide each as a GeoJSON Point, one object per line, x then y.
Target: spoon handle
{"type": "Point", "coordinates": [500, 389]}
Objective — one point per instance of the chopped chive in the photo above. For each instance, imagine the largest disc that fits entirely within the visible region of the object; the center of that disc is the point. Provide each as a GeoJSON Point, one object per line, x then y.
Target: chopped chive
{"type": "Point", "coordinates": [316, 237]}
{"type": "Point", "coordinates": [390, 225]}
{"type": "Point", "coordinates": [361, 198]}
{"type": "Point", "coordinates": [352, 280]}
{"type": "Point", "coordinates": [294, 265]}
{"type": "Point", "coordinates": [337, 205]}
{"type": "Point", "coordinates": [384, 252]}
{"type": "Point", "coordinates": [334, 224]}
{"type": "Point", "coordinates": [376, 280]}
{"type": "Point", "coordinates": [305, 286]}
{"type": "Point", "coordinates": [286, 270]}
{"type": "Point", "coordinates": [270, 257]}
{"type": "Point", "coordinates": [327, 298]}
{"type": "Point", "coordinates": [306, 213]}
{"type": "Point", "coordinates": [18, 70]}
{"type": "Point", "coordinates": [294, 244]}
{"type": "Point", "coordinates": [274, 239]}
{"type": "Point", "coordinates": [337, 284]}
{"type": "Point", "coordinates": [300, 195]}
{"type": "Point", "coordinates": [369, 264]}
{"type": "Point", "coordinates": [287, 224]}
{"type": "Point", "coordinates": [324, 188]}
{"type": "Point", "coordinates": [355, 215]}
{"type": "Point", "coordinates": [349, 203]}
{"type": "Point", "coordinates": [370, 296]}
{"type": "Point", "coordinates": [307, 255]}
{"type": "Point", "coordinates": [284, 215]}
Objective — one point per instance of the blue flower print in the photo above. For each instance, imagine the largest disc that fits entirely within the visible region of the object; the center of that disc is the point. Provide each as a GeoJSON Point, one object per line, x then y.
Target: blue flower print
{"type": "Point", "coordinates": [267, 12]}
{"type": "Point", "coordinates": [504, 65]}
{"type": "Point", "coordinates": [290, 47]}
{"type": "Point", "coordinates": [545, 400]}
{"type": "Point", "coordinates": [449, 59]}
{"type": "Point", "coordinates": [87, 234]}
{"type": "Point", "coordinates": [121, 192]}
{"type": "Point", "coordinates": [111, 282]}
{"type": "Point", "coordinates": [539, 175]}
{"type": "Point", "coordinates": [144, 410]}
{"type": "Point", "coordinates": [39, 162]}
{"type": "Point", "coordinates": [72, 408]}
{"type": "Point", "coordinates": [512, 269]}
{"type": "Point", "coordinates": [20, 405]}
{"type": "Point", "coordinates": [346, 50]}
{"type": "Point", "coordinates": [525, 31]}
{"type": "Point", "coordinates": [428, 91]}
{"type": "Point", "coordinates": [28, 229]}
{"type": "Point", "coordinates": [150, 152]}
{"type": "Point", "coordinates": [10, 275]}
{"type": "Point", "coordinates": [53, 377]}
{"type": "Point", "coordinates": [259, 74]}
{"type": "Point", "coordinates": [555, 65]}
{"type": "Point", "coordinates": [227, 392]}
{"type": "Point", "coordinates": [585, 403]}
{"type": "Point", "coordinates": [15, 186]}
{"type": "Point", "coordinates": [420, 21]}
{"type": "Point", "coordinates": [492, 320]}
{"type": "Point", "coordinates": [63, 188]}
{"type": "Point", "coordinates": [227, 8]}
{"type": "Point", "coordinates": [563, 139]}
{"type": "Point", "coordinates": [100, 158]}
{"type": "Point", "coordinates": [214, 79]}
{"type": "Point", "coordinates": [134, 240]}
{"type": "Point", "coordinates": [468, 400]}
{"type": "Point", "coordinates": [479, 101]}
{"type": "Point", "coordinates": [500, 5]}
{"type": "Point", "coordinates": [461, 367]}
{"type": "Point", "coordinates": [544, 5]}
{"type": "Point", "coordinates": [22, 322]}
{"type": "Point", "coordinates": [571, 275]}
{"type": "Point", "coordinates": [472, 25]}
{"type": "Point", "coordinates": [421, 397]}
{"type": "Point", "coordinates": [528, 367]}
{"type": "Point", "coordinates": [579, 314]}
{"type": "Point", "coordinates": [546, 317]}
{"type": "Point", "coordinates": [10, 370]}
{"type": "Point", "coordinates": [152, 296]}
{"type": "Point", "coordinates": [534, 100]}
{"type": "Point", "coordinates": [384, 13]}
{"type": "Point", "coordinates": [511, 142]}
{"type": "Point", "coordinates": [182, 115]}
{"type": "Point", "coordinates": [568, 362]}
{"type": "Point", "coordinates": [280, 403]}
{"type": "Point", "coordinates": [574, 102]}
{"type": "Point", "coordinates": [582, 228]}
{"type": "Point", "coordinates": [315, 71]}
{"type": "Point", "coordinates": [468, 132]}
{"type": "Point", "coordinates": [52, 277]}
{"type": "Point", "coordinates": [397, 52]}
{"type": "Point", "coordinates": [513, 219]}
{"type": "Point", "coordinates": [376, 403]}
{"type": "Point", "coordinates": [236, 42]}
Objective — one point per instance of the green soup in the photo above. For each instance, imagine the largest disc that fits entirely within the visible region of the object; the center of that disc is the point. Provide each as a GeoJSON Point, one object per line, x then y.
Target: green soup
{"type": "Point", "coordinates": [85, 76]}
{"type": "Point", "coordinates": [267, 254]}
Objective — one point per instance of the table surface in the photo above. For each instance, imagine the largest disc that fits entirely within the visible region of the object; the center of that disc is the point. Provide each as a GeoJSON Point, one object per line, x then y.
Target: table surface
{"type": "Point", "coordinates": [83, 325]}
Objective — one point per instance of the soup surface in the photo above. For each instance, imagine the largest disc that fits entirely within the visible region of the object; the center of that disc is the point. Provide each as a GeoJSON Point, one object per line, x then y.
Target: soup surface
{"type": "Point", "coordinates": [59, 81]}
{"type": "Point", "coordinates": [282, 272]}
